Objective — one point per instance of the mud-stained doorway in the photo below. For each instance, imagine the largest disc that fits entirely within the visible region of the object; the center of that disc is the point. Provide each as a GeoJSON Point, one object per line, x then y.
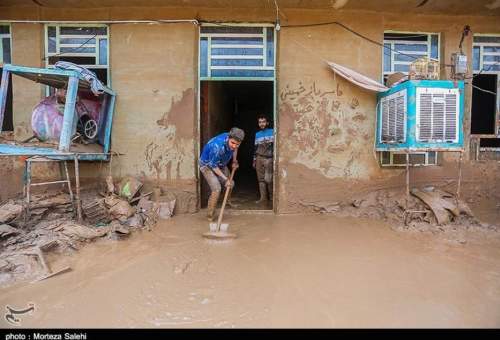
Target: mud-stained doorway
{"type": "Point", "coordinates": [224, 104]}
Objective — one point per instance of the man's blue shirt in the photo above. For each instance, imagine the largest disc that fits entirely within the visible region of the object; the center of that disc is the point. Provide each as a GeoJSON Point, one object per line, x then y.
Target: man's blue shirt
{"type": "Point", "coordinates": [216, 153]}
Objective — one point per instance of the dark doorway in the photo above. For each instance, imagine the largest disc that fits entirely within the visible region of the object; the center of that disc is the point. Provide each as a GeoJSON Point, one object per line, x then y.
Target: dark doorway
{"type": "Point", "coordinates": [8, 121]}
{"type": "Point", "coordinates": [224, 104]}
{"type": "Point", "coordinates": [484, 104]}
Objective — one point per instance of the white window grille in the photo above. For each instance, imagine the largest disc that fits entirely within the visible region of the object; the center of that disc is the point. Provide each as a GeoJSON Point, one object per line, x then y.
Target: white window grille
{"type": "Point", "coordinates": [5, 45]}
{"type": "Point", "coordinates": [85, 45]}
{"type": "Point", "coordinates": [486, 54]}
{"type": "Point", "coordinates": [393, 118]}
{"type": "Point", "coordinates": [437, 114]}
{"type": "Point", "coordinates": [393, 158]}
{"type": "Point", "coordinates": [401, 49]}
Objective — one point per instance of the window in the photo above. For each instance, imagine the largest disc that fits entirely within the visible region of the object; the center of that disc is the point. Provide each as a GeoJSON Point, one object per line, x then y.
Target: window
{"type": "Point", "coordinates": [388, 158]}
{"type": "Point", "coordinates": [401, 49]}
{"type": "Point", "coordinates": [5, 47]}
{"type": "Point", "coordinates": [5, 58]}
{"type": "Point", "coordinates": [486, 54]}
{"type": "Point", "coordinates": [232, 52]}
{"type": "Point", "coordinates": [485, 115]}
{"type": "Point", "coordinates": [87, 46]}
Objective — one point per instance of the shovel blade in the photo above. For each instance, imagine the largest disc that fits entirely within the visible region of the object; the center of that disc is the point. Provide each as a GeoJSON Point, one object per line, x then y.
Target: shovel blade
{"type": "Point", "coordinates": [223, 227]}
{"type": "Point", "coordinates": [219, 235]}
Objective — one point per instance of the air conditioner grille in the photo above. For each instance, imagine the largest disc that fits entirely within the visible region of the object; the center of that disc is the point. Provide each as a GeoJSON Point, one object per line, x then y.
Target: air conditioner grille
{"type": "Point", "coordinates": [393, 117]}
{"type": "Point", "coordinates": [438, 113]}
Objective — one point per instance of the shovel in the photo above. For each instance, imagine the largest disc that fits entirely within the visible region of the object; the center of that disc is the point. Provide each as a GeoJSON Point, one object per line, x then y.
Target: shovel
{"type": "Point", "coordinates": [218, 231]}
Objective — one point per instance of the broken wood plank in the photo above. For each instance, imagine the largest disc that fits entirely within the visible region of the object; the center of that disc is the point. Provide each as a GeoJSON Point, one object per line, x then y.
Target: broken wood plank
{"type": "Point", "coordinates": [438, 205]}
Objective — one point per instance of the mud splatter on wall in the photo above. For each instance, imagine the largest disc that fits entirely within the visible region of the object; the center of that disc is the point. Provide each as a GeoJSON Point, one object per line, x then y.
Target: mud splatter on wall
{"type": "Point", "coordinates": [327, 129]}
{"type": "Point", "coordinates": [169, 155]}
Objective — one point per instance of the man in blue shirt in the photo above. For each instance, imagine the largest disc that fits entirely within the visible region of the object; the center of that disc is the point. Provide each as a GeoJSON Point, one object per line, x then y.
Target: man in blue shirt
{"type": "Point", "coordinates": [213, 163]}
{"type": "Point", "coordinates": [263, 158]}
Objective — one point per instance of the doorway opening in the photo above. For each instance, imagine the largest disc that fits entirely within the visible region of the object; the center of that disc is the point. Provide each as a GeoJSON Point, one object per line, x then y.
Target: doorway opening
{"type": "Point", "coordinates": [483, 114]}
{"type": "Point", "coordinates": [224, 104]}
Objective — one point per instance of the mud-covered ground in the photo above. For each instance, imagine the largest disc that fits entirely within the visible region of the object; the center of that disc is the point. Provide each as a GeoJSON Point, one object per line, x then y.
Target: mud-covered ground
{"type": "Point", "coordinates": [282, 271]}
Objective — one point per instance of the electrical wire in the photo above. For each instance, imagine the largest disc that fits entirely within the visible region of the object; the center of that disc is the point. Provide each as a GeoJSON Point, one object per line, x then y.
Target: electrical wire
{"type": "Point", "coordinates": [72, 50]}
{"type": "Point", "coordinates": [481, 70]}
{"type": "Point", "coordinates": [376, 42]}
{"type": "Point", "coordinates": [483, 90]}
{"type": "Point", "coordinates": [353, 32]}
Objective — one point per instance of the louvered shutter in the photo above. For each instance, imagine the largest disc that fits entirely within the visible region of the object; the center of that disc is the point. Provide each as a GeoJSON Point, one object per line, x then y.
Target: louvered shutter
{"type": "Point", "coordinates": [437, 114]}
{"type": "Point", "coordinates": [393, 117]}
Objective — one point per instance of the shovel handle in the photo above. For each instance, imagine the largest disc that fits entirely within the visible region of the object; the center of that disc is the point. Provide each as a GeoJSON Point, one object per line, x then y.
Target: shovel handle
{"type": "Point", "coordinates": [233, 170]}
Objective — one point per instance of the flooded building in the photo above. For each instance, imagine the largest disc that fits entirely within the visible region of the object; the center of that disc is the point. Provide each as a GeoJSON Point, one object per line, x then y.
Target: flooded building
{"type": "Point", "coordinates": [184, 71]}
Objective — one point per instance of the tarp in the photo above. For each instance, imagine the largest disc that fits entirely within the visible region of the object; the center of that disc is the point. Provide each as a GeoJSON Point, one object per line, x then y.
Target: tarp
{"type": "Point", "coordinates": [95, 84]}
{"type": "Point", "coordinates": [357, 78]}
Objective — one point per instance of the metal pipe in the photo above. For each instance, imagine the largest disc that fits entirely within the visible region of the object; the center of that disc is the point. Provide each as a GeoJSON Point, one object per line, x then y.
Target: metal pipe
{"type": "Point", "coordinates": [407, 179]}
{"type": "Point", "coordinates": [66, 172]}
{"type": "Point", "coordinates": [28, 191]}
{"type": "Point", "coordinates": [459, 175]}
{"type": "Point", "coordinates": [77, 186]}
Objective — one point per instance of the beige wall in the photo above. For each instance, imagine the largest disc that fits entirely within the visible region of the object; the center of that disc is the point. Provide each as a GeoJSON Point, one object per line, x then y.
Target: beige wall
{"type": "Point", "coordinates": [326, 126]}
{"type": "Point", "coordinates": [153, 71]}
{"type": "Point", "coordinates": [27, 49]}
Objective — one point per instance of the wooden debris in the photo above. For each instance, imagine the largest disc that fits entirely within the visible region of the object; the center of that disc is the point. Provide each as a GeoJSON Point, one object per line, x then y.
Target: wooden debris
{"type": "Point", "coordinates": [96, 212]}
{"type": "Point", "coordinates": [7, 231]}
{"type": "Point", "coordinates": [438, 205]}
{"type": "Point", "coordinates": [9, 212]}
{"type": "Point", "coordinates": [110, 187]}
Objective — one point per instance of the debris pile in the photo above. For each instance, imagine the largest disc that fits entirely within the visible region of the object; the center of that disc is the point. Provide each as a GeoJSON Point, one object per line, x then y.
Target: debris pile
{"type": "Point", "coordinates": [426, 209]}
{"type": "Point", "coordinates": [51, 226]}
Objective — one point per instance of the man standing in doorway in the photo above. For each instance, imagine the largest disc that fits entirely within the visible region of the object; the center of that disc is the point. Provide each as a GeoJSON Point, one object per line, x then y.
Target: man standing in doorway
{"type": "Point", "coordinates": [213, 164]}
{"type": "Point", "coordinates": [263, 158]}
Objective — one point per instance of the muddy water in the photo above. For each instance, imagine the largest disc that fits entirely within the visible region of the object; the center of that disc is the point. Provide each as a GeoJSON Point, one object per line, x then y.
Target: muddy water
{"type": "Point", "coordinates": [287, 271]}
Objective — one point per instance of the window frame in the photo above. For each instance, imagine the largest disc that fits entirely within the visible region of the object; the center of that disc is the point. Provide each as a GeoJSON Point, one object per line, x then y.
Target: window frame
{"type": "Point", "coordinates": [6, 35]}
{"type": "Point", "coordinates": [96, 53]}
{"type": "Point", "coordinates": [393, 42]}
{"type": "Point", "coordinates": [392, 164]}
{"type": "Point", "coordinates": [9, 110]}
{"type": "Point", "coordinates": [481, 46]}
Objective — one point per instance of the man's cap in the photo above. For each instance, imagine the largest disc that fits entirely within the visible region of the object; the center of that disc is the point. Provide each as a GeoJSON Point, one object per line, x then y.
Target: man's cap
{"type": "Point", "coordinates": [236, 133]}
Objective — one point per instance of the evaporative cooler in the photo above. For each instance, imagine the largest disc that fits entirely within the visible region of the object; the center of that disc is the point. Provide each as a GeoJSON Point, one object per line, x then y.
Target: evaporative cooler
{"type": "Point", "coordinates": [421, 115]}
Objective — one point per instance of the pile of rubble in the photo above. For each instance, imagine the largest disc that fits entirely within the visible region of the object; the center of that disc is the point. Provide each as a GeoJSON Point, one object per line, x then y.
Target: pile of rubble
{"type": "Point", "coordinates": [120, 209]}
{"type": "Point", "coordinates": [426, 209]}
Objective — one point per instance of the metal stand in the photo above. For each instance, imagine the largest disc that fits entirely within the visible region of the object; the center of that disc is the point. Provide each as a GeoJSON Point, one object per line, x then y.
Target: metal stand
{"type": "Point", "coordinates": [409, 212]}
{"type": "Point", "coordinates": [65, 181]}
{"type": "Point", "coordinates": [459, 182]}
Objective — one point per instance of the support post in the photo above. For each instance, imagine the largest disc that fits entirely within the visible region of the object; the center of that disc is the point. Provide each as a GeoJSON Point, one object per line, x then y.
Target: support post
{"type": "Point", "coordinates": [407, 179]}
{"type": "Point", "coordinates": [69, 118]}
{"type": "Point", "coordinates": [459, 174]}
{"type": "Point", "coordinates": [66, 173]}
{"type": "Point", "coordinates": [77, 187]}
{"type": "Point", "coordinates": [28, 191]}
{"type": "Point", "coordinates": [3, 96]}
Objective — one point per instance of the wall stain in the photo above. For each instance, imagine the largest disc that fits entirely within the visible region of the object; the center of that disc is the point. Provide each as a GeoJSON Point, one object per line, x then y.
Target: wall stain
{"type": "Point", "coordinates": [317, 124]}
{"type": "Point", "coordinates": [180, 115]}
{"type": "Point", "coordinates": [169, 155]}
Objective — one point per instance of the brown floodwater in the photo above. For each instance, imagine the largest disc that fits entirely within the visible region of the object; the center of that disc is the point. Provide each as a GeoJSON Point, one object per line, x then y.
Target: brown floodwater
{"type": "Point", "coordinates": [281, 271]}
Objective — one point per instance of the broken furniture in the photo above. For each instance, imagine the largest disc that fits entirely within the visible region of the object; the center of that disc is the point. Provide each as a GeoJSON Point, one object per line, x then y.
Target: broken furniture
{"type": "Point", "coordinates": [63, 166]}
{"type": "Point", "coordinates": [76, 84]}
{"type": "Point", "coordinates": [421, 116]}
